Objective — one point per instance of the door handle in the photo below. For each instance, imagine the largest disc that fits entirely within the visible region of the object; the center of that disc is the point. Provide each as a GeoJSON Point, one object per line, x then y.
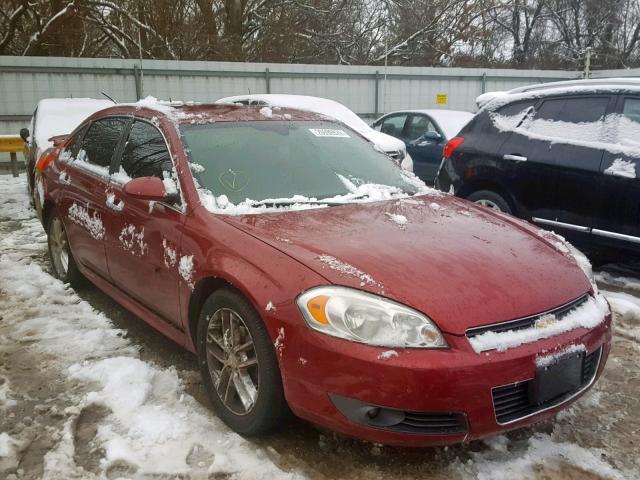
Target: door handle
{"type": "Point", "coordinates": [113, 203]}
{"type": "Point", "coordinates": [515, 158]}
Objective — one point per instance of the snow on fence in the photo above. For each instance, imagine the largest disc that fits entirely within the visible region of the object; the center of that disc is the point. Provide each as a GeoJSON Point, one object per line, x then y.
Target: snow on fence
{"type": "Point", "coordinates": [367, 90]}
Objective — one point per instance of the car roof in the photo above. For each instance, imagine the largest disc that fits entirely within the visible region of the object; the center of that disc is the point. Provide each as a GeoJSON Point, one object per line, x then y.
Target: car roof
{"type": "Point", "coordinates": [308, 103]}
{"type": "Point", "coordinates": [195, 113]}
{"type": "Point", "coordinates": [568, 87]}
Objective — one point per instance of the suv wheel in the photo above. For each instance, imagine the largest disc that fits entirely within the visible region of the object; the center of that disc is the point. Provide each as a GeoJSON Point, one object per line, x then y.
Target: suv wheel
{"type": "Point", "coordinates": [238, 365]}
{"type": "Point", "coordinates": [490, 199]}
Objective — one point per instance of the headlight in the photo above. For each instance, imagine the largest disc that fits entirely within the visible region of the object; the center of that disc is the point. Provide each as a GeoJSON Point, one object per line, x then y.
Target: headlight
{"type": "Point", "coordinates": [362, 317]}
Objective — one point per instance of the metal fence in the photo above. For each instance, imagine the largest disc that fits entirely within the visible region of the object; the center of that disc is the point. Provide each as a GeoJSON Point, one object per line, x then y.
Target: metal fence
{"type": "Point", "coordinates": [367, 90]}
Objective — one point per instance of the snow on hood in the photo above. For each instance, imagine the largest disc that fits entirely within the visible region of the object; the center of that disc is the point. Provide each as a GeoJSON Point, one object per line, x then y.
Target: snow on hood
{"type": "Point", "coordinates": [327, 107]}
{"type": "Point", "coordinates": [459, 264]}
{"type": "Point", "coordinates": [61, 116]}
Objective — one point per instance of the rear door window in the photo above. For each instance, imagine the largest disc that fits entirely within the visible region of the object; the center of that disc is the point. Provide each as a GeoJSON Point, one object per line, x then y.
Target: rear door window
{"type": "Point", "coordinates": [100, 142]}
{"type": "Point", "coordinates": [631, 109]}
{"type": "Point", "coordinates": [573, 110]}
{"type": "Point", "coordinates": [145, 153]}
{"type": "Point", "coordinates": [570, 120]}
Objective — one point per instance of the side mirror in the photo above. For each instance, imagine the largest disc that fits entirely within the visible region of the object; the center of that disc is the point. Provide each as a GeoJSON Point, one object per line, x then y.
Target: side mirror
{"type": "Point", "coordinates": [24, 134]}
{"type": "Point", "coordinates": [148, 188]}
{"type": "Point", "coordinates": [431, 136]}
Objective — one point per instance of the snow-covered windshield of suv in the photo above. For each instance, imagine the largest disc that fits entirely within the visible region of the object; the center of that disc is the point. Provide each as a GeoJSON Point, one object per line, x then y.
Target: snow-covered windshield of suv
{"type": "Point", "coordinates": [244, 167]}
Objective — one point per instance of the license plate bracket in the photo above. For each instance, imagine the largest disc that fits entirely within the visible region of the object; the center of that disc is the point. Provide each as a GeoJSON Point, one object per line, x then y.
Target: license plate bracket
{"type": "Point", "coordinates": [561, 376]}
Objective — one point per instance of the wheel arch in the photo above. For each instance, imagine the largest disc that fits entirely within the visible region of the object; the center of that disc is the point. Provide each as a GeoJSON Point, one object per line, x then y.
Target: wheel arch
{"type": "Point", "coordinates": [488, 184]}
{"type": "Point", "coordinates": [201, 291]}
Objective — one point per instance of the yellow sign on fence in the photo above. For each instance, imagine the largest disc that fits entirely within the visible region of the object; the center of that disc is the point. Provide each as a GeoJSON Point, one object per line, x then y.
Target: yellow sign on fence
{"type": "Point", "coordinates": [11, 143]}
{"type": "Point", "coordinates": [441, 99]}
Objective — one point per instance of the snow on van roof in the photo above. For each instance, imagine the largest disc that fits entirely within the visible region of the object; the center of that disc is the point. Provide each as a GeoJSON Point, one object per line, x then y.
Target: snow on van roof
{"type": "Point", "coordinates": [492, 100]}
{"type": "Point", "coordinates": [60, 116]}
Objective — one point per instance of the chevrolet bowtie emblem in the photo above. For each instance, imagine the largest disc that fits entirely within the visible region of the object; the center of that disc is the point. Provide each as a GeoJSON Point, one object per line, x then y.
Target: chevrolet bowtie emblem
{"type": "Point", "coordinates": [545, 321]}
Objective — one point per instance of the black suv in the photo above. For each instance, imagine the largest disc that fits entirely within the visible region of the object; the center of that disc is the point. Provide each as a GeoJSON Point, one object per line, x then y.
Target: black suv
{"type": "Point", "coordinates": [564, 155]}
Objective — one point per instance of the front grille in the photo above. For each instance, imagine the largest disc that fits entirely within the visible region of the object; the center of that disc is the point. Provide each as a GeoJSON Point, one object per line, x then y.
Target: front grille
{"type": "Point", "coordinates": [527, 322]}
{"type": "Point", "coordinates": [432, 423]}
{"type": "Point", "coordinates": [511, 402]}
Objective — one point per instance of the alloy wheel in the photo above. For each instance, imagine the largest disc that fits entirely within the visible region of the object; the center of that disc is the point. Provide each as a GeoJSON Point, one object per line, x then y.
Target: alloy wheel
{"type": "Point", "coordinates": [232, 361]}
{"type": "Point", "coordinates": [59, 247]}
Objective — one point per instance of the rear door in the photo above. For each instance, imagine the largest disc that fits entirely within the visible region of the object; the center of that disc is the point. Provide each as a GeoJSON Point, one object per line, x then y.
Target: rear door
{"type": "Point", "coordinates": [85, 172]}
{"type": "Point", "coordinates": [559, 161]}
{"type": "Point", "coordinates": [143, 243]}
{"type": "Point", "coordinates": [425, 152]}
{"type": "Point", "coordinates": [617, 222]}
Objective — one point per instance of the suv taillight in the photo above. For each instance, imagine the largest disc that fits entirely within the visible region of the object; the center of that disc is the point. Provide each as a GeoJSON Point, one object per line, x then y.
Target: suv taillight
{"type": "Point", "coordinates": [46, 158]}
{"type": "Point", "coordinates": [451, 146]}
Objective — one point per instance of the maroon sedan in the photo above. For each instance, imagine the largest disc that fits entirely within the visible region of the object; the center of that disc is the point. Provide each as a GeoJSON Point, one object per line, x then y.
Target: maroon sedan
{"type": "Point", "coordinates": [310, 274]}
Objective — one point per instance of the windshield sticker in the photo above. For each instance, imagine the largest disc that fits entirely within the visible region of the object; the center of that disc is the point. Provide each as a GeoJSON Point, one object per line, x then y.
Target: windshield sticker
{"type": "Point", "coordinates": [234, 181]}
{"type": "Point", "coordinates": [329, 132]}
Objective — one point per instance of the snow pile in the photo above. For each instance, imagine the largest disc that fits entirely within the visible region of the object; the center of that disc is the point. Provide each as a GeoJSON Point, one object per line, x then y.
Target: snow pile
{"type": "Point", "coordinates": [279, 343]}
{"type": "Point", "coordinates": [546, 360]}
{"type": "Point", "coordinates": [185, 269]}
{"type": "Point", "coordinates": [9, 447]}
{"type": "Point", "coordinates": [334, 264]}
{"type": "Point", "coordinates": [270, 307]}
{"type": "Point", "coordinates": [398, 219]}
{"type": "Point", "coordinates": [588, 315]}
{"type": "Point", "coordinates": [387, 355]}
{"type": "Point", "coordinates": [6, 400]}
{"type": "Point", "coordinates": [627, 308]}
{"type": "Point", "coordinates": [622, 168]}
{"type": "Point", "coordinates": [132, 240]}
{"type": "Point", "coordinates": [266, 112]}
{"type": "Point", "coordinates": [91, 223]}
{"type": "Point", "coordinates": [542, 452]}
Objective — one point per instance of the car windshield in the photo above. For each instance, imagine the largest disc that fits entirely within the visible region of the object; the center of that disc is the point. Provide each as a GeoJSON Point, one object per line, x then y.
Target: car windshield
{"type": "Point", "coordinates": [304, 161]}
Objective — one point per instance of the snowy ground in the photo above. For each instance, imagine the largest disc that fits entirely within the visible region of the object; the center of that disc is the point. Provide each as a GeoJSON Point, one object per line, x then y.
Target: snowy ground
{"type": "Point", "coordinates": [88, 391]}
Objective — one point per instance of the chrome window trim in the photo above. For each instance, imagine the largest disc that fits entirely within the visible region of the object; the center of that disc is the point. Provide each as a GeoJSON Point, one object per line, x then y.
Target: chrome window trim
{"type": "Point", "coordinates": [555, 223]}
{"type": "Point", "coordinates": [617, 236]}
{"type": "Point", "coordinates": [555, 405]}
{"type": "Point", "coordinates": [595, 231]}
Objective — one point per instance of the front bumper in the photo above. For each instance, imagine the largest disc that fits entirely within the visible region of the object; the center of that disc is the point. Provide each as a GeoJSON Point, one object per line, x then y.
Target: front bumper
{"type": "Point", "coordinates": [430, 385]}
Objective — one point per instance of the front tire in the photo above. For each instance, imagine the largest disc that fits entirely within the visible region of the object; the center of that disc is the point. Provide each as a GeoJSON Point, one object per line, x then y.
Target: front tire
{"type": "Point", "coordinates": [62, 261]}
{"type": "Point", "coordinates": [238, 365]}
{"type": "Point", "coordinates": [489, 199]}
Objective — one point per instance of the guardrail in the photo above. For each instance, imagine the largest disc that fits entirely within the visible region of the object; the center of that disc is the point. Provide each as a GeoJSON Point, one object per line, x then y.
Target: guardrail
{"type": "Point", "coordinates": [12, 144]}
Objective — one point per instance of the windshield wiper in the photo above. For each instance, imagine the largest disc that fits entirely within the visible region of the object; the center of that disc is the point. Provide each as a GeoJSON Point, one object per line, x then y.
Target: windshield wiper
{"type": "Point", "coordinates": [290, 202]}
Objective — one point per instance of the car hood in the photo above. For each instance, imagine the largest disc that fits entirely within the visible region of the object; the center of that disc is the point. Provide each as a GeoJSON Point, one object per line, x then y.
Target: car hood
{"type": "Point", "coordinates": [458, 263]}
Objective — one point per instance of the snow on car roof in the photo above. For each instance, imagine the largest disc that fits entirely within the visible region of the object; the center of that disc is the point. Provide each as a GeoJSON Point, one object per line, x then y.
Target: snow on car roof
{"type": "Point", "coordinates": [60, 116]}
{"type": "Point", "coordinates": [324, 106]}
{"type": "Point", "coordinates": [449, 121]}
{"type": "Point", "coordinates": [492, 100]}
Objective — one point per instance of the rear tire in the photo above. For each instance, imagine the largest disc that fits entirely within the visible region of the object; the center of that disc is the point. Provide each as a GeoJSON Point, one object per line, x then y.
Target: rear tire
{"type": "Point", "coordinates": [489, 199]}
{"type": "Point", "coordinates": [238, 365]}
{"type": "Point", "coordinates": [62, 262]}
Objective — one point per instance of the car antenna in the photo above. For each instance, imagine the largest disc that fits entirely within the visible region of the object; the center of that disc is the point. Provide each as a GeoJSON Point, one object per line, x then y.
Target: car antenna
{"type": "Point", "coordinates": [109, 97]}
